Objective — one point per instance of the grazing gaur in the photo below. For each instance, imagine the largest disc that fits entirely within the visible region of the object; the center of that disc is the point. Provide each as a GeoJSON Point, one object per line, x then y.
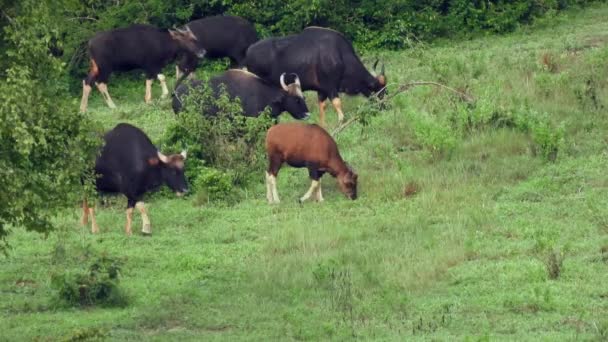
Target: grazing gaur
{"type": "Point", "coordinates": [130, 165]}
{"type": "Point", "coordinates": [221, 36]}
{"type": "Point", "coordinates": [325, 61]}
{"type": "Point", "coordinates": [309, 146]}
{"type": "Point", "coordinates": [255, 94]}
{"type": "Point", "coordinates": [135, 47]}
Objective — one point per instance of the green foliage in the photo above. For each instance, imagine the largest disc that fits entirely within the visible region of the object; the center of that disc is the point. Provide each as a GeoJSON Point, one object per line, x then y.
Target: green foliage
{"type": "Point", "coordinates": [95, 285]}
{"type": "Point", "coordinates": [435, 135]}
{"type": "Point", "coordinates": [228, 141]}
{"type": "Point", "coordinates": [395, 24]}
{"type": "Point", "coordinates": [464, 259]}
{"type": "Point", "coordinates": [214, 185]}
{"type": "Point", "coordinates": [45, 145]}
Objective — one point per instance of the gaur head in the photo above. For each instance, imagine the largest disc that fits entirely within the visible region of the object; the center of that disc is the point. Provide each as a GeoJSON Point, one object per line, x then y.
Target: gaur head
{"type": "Point", "coordinates": [348, 183]}
{"type": "Point", "coordinates": [172, 171]}
{"type": "Point", "coordinates": [293, 102]}
{"type": "Point", "coordinates": [187, 40]}
{"type": "Point", "coordinates": [379, 84]}
{"type": "Point", "coordinates": [187, 64]}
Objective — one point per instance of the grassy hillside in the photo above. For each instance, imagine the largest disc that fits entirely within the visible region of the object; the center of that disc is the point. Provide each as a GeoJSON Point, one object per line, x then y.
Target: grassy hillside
{"type": "Point", "coordinates": [475, 222]}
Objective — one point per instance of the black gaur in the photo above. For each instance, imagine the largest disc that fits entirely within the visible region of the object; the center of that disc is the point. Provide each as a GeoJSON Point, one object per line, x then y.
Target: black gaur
{"type": "Point", "coordinates": [129, 164]}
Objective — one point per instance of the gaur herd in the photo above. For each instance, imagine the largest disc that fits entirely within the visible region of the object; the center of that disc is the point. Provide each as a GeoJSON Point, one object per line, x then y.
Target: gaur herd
{"type": "Point", "coordinates": [275, 73]}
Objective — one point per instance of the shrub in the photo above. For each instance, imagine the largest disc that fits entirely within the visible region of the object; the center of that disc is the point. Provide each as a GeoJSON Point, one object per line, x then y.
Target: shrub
{"type": "Point", "coordinates": [45, 144]}
{"type": "Point", "coordinates": [95, 285]}
{"type": "Point", "coordinates": [214, 185]}
{"type": "Point", "coordinates": [229, 143]}
{"type": "Point", "coordinates": [433, 133]}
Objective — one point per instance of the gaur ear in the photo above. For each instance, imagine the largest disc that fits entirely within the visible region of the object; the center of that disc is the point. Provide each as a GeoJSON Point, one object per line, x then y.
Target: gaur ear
{"type": "Point", "coordinates": [381, 79]}
{"type": "Point", "coordinates": [153, 161]}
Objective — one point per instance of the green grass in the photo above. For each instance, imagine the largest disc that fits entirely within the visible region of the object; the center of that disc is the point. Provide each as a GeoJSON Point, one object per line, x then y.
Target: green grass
{"type": "Point", "coordinates": [463, 257]}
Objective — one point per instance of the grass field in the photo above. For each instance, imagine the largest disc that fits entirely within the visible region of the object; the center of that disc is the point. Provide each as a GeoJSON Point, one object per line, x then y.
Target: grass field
{"type": "Point", "coordinates": [468, 225]}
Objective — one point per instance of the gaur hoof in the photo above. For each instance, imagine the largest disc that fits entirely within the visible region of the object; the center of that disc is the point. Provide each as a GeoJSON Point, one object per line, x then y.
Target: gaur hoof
{"type": "Point", "coordinates": [146, 234]}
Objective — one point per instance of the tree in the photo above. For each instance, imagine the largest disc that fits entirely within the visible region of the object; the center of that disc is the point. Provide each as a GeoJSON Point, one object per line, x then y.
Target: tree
{"type": "Point", "coordinates": [46, 146]}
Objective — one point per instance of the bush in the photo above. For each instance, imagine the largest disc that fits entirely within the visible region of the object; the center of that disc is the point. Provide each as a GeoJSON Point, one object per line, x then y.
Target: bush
{"type": "Point", "coordinates": [226, 146]}
{"type": "Point", "coordinates": [214, 185]}
{"type": "Point", "coordinates": [46, 146]}
{"type": "Point", "coordinates": [95, 285]}
{"type": "Point", "coordinates": [370, 24]}
{"type": "Point", "coordinates": [434, 134]}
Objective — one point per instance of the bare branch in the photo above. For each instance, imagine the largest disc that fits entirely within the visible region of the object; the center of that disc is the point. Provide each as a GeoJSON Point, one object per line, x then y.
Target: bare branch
{"type": "Point", "coordinates": [82, 18]}
{"type": "Point", "coordinates": [10, 20]}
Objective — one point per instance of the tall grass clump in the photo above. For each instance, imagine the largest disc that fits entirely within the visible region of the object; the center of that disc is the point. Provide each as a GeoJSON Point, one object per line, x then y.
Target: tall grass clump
{"type": "Point", "coordinates": [94, 285]}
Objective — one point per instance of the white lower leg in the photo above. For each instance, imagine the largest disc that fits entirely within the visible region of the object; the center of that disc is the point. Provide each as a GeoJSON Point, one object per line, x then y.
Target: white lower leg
{"type": "Point", "coordinates": [338, 107]}
{"type": "Point", "coordinates": [318, 194]}
{"type": "Point", "coordinates": [85, 213]}
{"type": "Point", "coordinates": [146, 227]}
{"type": "Point", "coordinates": [128, 230]}
{"type": "Point", "coordinates": [84, 102]}
{"type": "Point", "coordinates": [163, 84]}
{"type": "Point", "coordinates": [103, 89]}
{"type": "Point", "coordinates": [177, 73]}
{"type": "Point", "coordinates": [94, 227]}
{"type": "Point", "coordinates": [148, 97]}
{"type": "Point", "coordinates": [275, 193]}
{"type": "Point", "coordinates": [268, 188]}
{"type": "Point", "coordinates": [311, 190]}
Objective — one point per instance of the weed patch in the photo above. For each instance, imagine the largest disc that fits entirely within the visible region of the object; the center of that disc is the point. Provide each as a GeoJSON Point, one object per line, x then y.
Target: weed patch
{"type": "Point", "coordinates": [95, 285]}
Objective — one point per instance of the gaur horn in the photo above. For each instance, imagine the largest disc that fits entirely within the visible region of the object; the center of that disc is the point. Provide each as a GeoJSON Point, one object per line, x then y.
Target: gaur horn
{"type": "Point", "coordinates": [283, 85]}
{"type": "Point", "coordinates": [184, 154]}
{"type": "Point", "coordinates": [296, 80]}
{"type": "Point", "coordinates": [376, 64]}
{"type": "Point", "coordinates": [382, 71]}
{"type": "Point", "coordinates": [162, 157]}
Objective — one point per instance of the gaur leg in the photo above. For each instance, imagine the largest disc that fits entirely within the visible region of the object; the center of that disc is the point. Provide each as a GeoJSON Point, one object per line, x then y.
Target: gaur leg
{"type": "Point", "coordinates": [148, 97]}
{"type": "Point", "coordinates": [338, 106]}
{"type": "Point", "coordinates": [86, 91]}
{"type": "Point", "coordinates": [130, 205]}
{"type": "Point", "coordinates": [85, 213]}
{"type": "Point", "coordinates": [86, 85]}
{"type": "Point", "coordinates": [318, 196]}
{"type": "Point", "coordinates": [268, 188]}
{"type": "Point", "coordinates": [146, 228]}
{"type": "Point", "coordinates": [94, 226]}
{"type": "Point", "coordinates": [103, 89]}
{"type": "Point", "coordinates": [163, 84]}
{"type": "Point", "coordinates": [272, 193]}
{"type": "Point", "coordinates": [315, 187]}
{"type": "Point", "coordinates": [322, 98]}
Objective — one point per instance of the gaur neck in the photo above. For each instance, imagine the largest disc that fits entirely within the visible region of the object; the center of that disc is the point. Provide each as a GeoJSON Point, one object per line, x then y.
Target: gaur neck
{"type": "Point", "coordinates": [337, 167]}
